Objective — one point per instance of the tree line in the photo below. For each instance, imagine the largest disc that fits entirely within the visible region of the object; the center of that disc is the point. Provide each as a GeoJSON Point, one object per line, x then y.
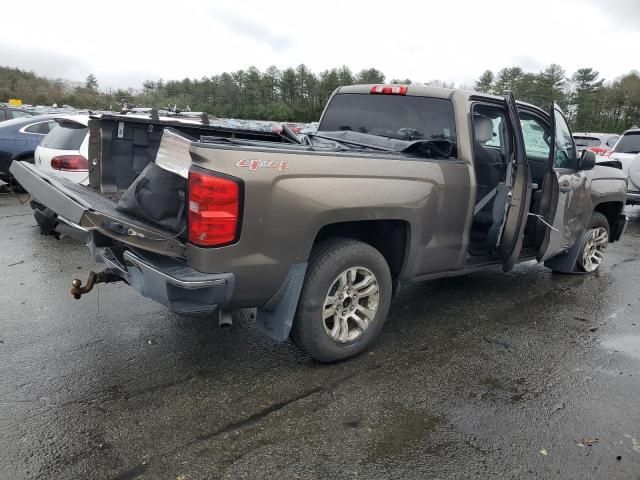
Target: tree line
{"type": "Point", "coordinates": [590, 102]}
{"type": "Point", "coordinates": [298, 94]}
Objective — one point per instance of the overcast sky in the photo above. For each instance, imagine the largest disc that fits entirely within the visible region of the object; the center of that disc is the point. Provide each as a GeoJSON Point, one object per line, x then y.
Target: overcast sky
{"type": "Point", "coordinates": [123, 43]}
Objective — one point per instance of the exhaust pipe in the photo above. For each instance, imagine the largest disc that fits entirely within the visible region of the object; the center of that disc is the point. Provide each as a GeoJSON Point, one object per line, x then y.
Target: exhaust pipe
{"type": "Point", "coordinates": [224, 318]}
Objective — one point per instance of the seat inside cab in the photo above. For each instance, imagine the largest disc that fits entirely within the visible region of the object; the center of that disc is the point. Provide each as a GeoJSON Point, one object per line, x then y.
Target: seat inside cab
{"type": "Point", "coordinates": [492, 149]}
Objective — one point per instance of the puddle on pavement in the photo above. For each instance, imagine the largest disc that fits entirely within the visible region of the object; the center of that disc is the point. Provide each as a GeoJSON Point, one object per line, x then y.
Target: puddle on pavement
{"type": "Point", "coordinates": [628, 344]}
{"type": "Point", "coordinates": [399, 431]}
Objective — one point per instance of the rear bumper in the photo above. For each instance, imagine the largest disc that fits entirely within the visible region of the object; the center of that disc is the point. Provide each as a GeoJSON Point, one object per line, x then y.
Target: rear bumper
{"type": "Point", "coordinates": [167, 280]}
{"type": "Point", "coordinates": [633, 198]}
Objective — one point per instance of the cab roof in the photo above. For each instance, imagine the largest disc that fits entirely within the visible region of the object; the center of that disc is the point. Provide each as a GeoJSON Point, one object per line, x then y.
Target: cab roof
{"type": "Point", "coordinates": [434, 92]}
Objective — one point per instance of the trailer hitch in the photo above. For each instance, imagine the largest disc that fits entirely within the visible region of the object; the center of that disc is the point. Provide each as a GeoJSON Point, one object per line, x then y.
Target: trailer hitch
{"type": "Point", "coordinates": [77, 289]}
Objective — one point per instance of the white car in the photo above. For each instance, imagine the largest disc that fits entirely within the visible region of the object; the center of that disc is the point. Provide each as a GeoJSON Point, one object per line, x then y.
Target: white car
{"type": "Point", "coordinates": [598, 143]}
{"type": "Point", "coordinates": [65, 150]}
{"type": "Point", "coordinates": [633, 185]}
{"type": "Point", "coordinates": [63, 153]}
{"type": "Point", "coordinates": [627, 152]}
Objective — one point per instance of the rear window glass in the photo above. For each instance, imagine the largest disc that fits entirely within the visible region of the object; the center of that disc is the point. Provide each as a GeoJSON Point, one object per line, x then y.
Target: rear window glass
{"type": "Point", "coordinates": [629, 143]}
{"type": "Point", "coordinates": [67, 136]}
{"type": "Point", "coordinates": [586, 141]}
{"type": "Point", "coordinates": [394, 116]}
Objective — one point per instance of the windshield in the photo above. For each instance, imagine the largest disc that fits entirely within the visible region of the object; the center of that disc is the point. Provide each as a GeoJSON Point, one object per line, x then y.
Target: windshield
{"type": "Point", "coordinates": [628, 143]}
{"type": "Point", "coordinates": [586, 141]}
{"type": "Point", "coordinates": [393, 116]}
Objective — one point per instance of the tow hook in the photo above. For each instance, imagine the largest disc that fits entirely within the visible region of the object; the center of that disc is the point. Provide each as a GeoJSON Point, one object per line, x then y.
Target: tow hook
{"type": "Point", "coordinates": [77, 289]}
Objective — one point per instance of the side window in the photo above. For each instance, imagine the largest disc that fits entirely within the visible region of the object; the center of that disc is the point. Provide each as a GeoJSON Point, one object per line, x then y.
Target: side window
{"type": "Point", "coordinates": [3, 114]}
{"type": "Point", "coordinates": [565, 149]}
{"type": "Point", "coordinates": [612, 142]}
{"type": "Point", "coordinates": [41, 128]}
{"type": "Point", "coordinates": [536, 136]}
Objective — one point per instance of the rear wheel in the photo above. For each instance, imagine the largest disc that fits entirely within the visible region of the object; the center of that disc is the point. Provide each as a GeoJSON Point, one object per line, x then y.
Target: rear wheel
{"type": "Point", "coordinates": [344, 301]}
{"type": "Point", "coordinates": [594, 244]}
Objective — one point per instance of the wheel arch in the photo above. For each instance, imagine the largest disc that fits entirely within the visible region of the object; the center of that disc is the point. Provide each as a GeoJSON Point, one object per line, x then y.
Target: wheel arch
{"type": "Point", "coordinates": [612, 211]}
{"type": "Point", "coordinates": [24, 155]}
{"type": "Point", "coordinates": [390, 237]}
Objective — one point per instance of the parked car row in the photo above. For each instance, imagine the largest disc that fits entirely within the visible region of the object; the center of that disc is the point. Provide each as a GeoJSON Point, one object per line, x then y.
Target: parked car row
{"type": "Point", "coordinates": [8, 112]}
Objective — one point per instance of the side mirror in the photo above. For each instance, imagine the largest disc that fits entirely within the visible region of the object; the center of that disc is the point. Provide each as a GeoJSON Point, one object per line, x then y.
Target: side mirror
{"type": "Point", "coordinates": [587, 160]}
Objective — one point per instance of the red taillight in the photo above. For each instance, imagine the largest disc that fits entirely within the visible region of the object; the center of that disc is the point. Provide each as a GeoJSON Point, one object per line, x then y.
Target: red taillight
{"type": "Point", "coordinates": [70, 163]}
{"type": "Point", "coordinates": [605, 151]}
{"type": "Point", "coordinates": [389, 89]}
{"type": "Point", "coordinates": [214, 209]}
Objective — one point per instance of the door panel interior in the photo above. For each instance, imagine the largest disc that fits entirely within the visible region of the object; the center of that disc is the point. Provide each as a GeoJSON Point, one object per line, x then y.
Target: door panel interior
{"type": "Point", "coordinates": [519, 181]}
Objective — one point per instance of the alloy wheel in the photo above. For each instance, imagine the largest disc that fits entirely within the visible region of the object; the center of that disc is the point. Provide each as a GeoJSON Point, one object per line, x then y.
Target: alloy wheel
{"type": "Point", "coordinates": [350, 305]}
{"type": "Point", "coordinates": [593, 249]}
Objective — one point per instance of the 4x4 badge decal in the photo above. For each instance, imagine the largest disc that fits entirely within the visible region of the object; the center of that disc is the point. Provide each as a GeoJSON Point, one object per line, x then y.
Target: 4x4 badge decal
{"type": "Point", "coordinates": [256, 164]}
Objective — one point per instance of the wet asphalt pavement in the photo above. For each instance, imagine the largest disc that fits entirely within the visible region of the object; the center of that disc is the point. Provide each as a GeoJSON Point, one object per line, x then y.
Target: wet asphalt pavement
{"type": "Point", "coordinates": [483, 376]}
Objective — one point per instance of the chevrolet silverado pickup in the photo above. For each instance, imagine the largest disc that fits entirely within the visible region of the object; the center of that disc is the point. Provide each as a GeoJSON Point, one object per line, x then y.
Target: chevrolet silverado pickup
{"type": "Point", "coordinates": [398, 184]}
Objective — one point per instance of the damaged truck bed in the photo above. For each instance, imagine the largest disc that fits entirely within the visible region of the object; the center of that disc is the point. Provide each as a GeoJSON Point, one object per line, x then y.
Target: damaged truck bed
{"type": "Point", "coordinates": [399, 184]}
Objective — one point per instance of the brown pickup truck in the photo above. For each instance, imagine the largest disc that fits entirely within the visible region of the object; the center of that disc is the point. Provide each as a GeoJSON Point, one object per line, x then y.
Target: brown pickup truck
{"type": "Point", "coordinates": [399, 184]}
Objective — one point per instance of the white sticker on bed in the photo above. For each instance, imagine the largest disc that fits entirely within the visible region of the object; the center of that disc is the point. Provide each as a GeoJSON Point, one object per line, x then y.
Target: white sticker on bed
{"type": "Point", "coordinates": [173, 153]}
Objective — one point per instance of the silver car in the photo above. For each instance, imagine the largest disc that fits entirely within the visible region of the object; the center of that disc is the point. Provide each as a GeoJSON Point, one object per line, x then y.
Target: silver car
{"type": "Point", "coordinates": [627, 152]}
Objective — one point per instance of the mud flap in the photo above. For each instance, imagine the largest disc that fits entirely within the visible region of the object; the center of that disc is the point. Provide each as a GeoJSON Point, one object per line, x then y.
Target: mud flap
{"type": "Point", "coordinates": [567, 262]}
{"type": "Point", "coordinates": [276, 317]}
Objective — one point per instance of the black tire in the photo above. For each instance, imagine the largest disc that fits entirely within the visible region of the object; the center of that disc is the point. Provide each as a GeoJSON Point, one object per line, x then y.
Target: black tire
{"type": "Point", "coordinates": [327, 261]}
{"type": "Point", "coordinates": [598, 221]}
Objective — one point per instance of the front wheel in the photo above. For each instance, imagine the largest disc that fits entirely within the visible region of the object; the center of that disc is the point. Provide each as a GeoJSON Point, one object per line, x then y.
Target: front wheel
{"type": "Point", "coordinates": [344, 301]}
{"type": "Point", "coordinates": [594, 244]}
